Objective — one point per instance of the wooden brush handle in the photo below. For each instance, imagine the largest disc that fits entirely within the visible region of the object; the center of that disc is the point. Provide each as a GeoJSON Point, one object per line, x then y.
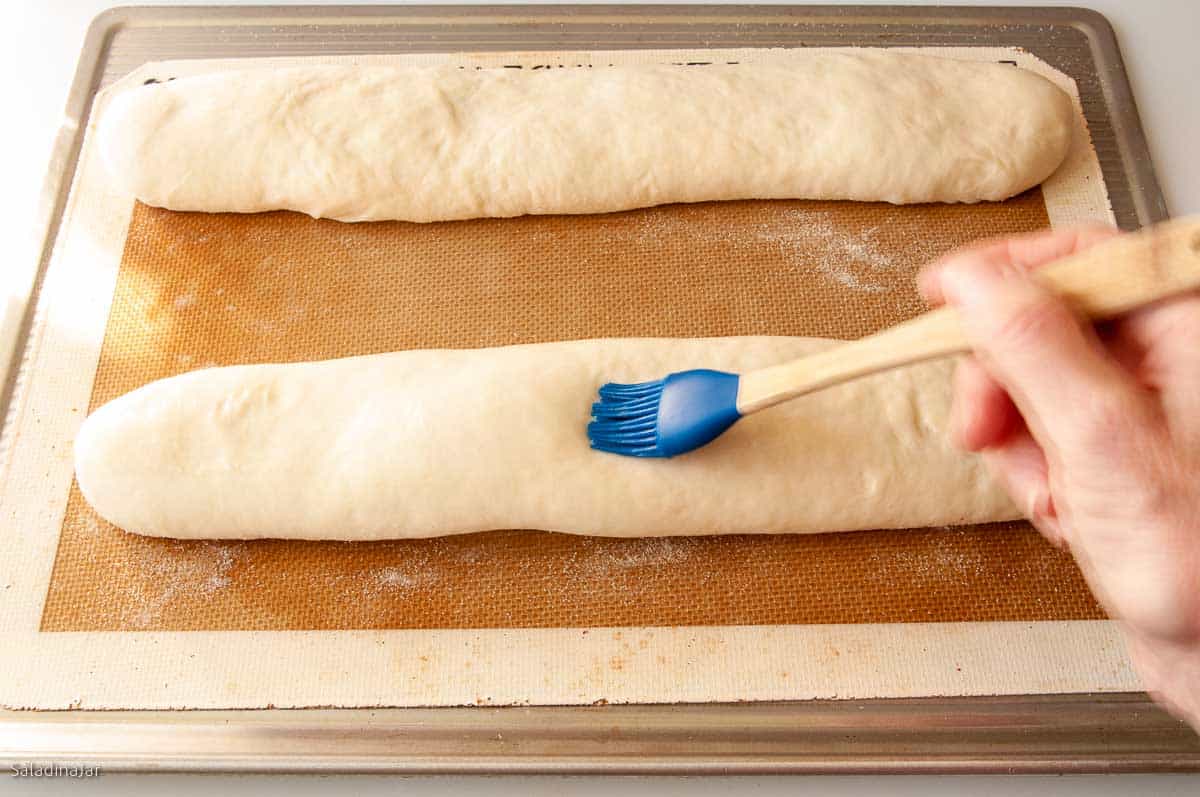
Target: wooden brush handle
{"type": "Point", "coordinates": [1103, 281]}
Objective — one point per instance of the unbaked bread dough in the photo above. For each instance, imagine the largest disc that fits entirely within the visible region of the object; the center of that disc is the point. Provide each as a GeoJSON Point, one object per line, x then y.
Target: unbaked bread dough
{"type": "Point", "coordinates": [361, 143]}
{"type": "Point", "coordinates": [426, 443]}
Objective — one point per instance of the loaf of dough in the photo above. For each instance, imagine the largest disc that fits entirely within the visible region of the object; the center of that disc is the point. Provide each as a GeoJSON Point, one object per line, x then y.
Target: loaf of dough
{"type": "Point", "coordinates": [426, 443]}
{"type": "Point", "coordinates": [361, 143]}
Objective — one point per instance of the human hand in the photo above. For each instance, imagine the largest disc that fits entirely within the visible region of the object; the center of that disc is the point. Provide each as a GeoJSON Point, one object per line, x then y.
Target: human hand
{"type": "Point", "coordinates": [1096, 435]}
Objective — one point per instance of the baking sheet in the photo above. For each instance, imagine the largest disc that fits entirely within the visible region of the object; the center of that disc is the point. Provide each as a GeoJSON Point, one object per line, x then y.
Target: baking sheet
{"type": "Point", "coordinates": [728, 660]}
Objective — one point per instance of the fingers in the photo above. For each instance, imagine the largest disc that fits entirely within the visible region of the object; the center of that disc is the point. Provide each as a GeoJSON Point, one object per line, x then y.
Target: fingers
{"type": "Point", "coordinates": [1069, 391]}
{"type": "Point", "coordinates": [983, 416]}
{"type": "Point", "coordinates": [1023, 252]}
{"type": "Point", "coordinates": [1021, 466]}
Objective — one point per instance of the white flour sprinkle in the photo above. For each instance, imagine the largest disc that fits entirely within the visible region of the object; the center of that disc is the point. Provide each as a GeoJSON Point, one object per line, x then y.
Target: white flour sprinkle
{"type": "Point", "coordinates": [808, 239]}
{"type": "Point", "coordinates": [187, 570]}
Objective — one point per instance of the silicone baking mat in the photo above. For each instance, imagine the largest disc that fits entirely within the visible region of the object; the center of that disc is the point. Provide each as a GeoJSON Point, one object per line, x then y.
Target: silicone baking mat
{"type": "Point", "coordinates": [102, 619]}
{"type": "Point", "coordinates": [197, 290]}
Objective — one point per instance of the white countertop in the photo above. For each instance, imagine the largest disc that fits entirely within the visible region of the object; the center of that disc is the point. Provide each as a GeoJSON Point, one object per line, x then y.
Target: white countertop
{"type": "Point", "coordinates": [1162, 57]}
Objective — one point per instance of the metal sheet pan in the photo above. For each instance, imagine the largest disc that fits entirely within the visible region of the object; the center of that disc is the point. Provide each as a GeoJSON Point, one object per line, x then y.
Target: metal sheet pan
{"type": "Point", "coordinates": [1013, 734]}
{"type": "Point", "coordinates": [1121, 733]}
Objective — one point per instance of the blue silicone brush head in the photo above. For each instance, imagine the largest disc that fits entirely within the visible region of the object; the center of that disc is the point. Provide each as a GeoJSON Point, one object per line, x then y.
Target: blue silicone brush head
{"type": "Point", "coordinates": [664, 418]}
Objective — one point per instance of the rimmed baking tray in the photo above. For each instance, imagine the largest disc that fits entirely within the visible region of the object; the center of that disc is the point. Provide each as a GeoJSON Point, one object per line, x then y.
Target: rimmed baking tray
{"type": "Point", "coordinates": [1025, 733]}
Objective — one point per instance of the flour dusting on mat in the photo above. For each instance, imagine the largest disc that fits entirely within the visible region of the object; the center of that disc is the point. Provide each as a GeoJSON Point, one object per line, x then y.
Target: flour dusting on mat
{"type": "Point", "coordinates": [410, 574]}
{"type": "Point", "coordinates": [395, 577]}
{"type": "Point", "coordinates": [646, 552]}
{"type": "Point", "coordinates": [418, 564]}
{"type": "Point", "coordinates": [842, 257]}
{"type": "Point", "coordinates": [179, 570]}
{"type": "Point", "coordinates": [807, 239]}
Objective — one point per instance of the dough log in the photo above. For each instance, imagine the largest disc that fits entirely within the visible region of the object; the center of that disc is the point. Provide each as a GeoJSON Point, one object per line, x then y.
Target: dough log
{"type": "Point", "coordinates": [427, 443]}
{"type": "Point", "coordinates": [433, 144]}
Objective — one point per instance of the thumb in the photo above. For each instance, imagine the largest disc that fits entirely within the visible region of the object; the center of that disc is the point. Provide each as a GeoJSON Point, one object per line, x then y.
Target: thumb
{"type": "Point", "coordinates": [1072, 394]}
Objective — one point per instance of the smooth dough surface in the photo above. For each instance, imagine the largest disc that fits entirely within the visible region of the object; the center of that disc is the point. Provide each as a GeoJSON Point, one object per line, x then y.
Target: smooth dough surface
{"type": "Point", "coordinates": [361, 143]}
{"type": "Point", "coordinates": [427, 443]}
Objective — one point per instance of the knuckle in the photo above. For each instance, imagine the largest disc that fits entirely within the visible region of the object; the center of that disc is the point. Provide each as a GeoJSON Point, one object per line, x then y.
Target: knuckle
{"type": "Point", "coordinates": [1109, 429]}
{"type": "Point", "coordinates": [1107, 420]}
{"type": "Point", "coordinates": [1165, 607]}
{"type": "Point", "coordinates": [1124, 466]}
{"type": "Point", "coordinates": [1120, 427]}
{"type": "Point", "coordinates": [1031, 323]}
{"type": "Point", "coordinates": [1152, 501]}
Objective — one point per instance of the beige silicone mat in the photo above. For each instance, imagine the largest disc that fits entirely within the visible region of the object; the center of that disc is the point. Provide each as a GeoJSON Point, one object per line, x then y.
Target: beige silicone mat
{"type": "Point", "coordinates": [197, 290]}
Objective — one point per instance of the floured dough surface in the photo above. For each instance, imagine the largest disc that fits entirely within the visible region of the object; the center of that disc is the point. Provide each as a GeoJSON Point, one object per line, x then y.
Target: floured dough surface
{"type": "Point", "coordinates": [428, 443]}
{"type": "Point", "coordinates": [363, 143]}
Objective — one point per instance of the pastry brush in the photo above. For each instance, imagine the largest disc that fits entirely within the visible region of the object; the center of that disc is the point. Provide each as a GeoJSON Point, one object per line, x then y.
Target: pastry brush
{"type": "Point", "coordinates": [689, 409]}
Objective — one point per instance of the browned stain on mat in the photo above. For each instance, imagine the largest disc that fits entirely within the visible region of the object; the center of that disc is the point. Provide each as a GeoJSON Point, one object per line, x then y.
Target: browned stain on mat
{"type": "Point", "coordinates": [197, 290]}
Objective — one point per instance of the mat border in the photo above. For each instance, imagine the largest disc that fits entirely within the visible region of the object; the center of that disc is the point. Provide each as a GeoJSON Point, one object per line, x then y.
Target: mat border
{"type": "Point", "coordinates": [1033, 733]}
